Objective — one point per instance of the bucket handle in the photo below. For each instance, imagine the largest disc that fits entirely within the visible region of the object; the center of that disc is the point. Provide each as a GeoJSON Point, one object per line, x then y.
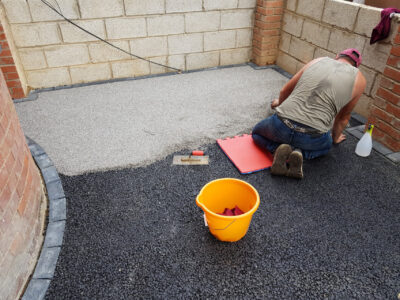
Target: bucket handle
{"type": "Point", "coordinates": [225, 227]}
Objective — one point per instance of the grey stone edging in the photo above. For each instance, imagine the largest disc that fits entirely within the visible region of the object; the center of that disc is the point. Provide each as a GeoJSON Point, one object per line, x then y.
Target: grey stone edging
{"type": "Point", "coordinates": [45, 267]}
{"type": "Point", "coordinates": [273, 67]}
{"type": "Point", "coordinates": [32, 96]}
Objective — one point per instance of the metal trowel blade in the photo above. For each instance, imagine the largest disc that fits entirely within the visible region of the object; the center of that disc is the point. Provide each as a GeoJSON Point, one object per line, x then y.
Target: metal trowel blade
{"type": "Point", "coordinates": [190, 160]}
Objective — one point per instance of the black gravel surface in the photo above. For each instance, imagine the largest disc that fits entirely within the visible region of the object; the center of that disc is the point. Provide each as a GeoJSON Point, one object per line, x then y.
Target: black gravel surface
{"type": "Point", "coordinates": [137, 233]}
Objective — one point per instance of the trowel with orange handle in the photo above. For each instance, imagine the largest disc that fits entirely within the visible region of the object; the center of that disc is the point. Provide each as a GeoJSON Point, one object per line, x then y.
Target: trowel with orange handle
{"type": "Point", "coordinates": [197, 157]}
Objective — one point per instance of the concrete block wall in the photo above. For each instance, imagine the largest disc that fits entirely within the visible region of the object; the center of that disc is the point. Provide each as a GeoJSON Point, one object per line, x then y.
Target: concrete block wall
{"type": "Point", "coordinates": [186, 35]}
{"type": "Point", "coordinates": [22, 202]}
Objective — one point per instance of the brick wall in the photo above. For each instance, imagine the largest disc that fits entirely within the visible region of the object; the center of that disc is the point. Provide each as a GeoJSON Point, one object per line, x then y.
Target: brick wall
{"type": "Point", "coordinates": [316, 28]}
{"type": "Point", "coordinates": [385, 109]}
{"type": "Point", "coordinates": [266, 32]}
{"type": "Point", "coordinates": [8, 68]}
{"type": "Point", "coordinates": [21, 202]}
{"type": "Point", "coordinates": [187, 35]}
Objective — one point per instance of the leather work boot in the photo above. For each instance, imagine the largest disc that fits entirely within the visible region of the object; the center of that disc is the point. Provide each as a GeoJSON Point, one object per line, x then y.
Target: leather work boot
{"type": "Point", "coordinates": [295, 164]}
{"type": "Point", "coordinates": [281, 155]}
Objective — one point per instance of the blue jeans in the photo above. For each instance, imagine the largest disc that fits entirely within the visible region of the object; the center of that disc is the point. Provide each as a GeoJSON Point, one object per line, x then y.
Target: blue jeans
{"type": "Point", "coordinates": [271, 132]}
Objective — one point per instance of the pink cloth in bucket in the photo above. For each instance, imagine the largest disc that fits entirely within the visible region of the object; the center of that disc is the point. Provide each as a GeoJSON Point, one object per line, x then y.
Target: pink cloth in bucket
{"type": "Point", "coordinates": [232, 212]}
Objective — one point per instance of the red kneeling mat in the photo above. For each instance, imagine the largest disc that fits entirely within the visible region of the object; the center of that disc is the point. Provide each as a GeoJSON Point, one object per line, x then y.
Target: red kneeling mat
{"type": "Point", "coordinates": [245, 154]}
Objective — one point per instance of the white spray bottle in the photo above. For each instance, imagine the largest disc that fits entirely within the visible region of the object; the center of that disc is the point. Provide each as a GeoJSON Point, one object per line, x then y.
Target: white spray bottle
{"type": "Point", "coordinates": [364, 145]}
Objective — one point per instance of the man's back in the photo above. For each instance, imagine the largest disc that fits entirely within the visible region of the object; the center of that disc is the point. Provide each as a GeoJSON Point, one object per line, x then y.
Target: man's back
{"type": "Point", "coordinates": [322, 90]}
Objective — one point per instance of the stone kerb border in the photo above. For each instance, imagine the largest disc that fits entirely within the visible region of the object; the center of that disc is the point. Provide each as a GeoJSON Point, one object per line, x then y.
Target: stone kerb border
{"type": "Point", "coordinates": [45, 267]}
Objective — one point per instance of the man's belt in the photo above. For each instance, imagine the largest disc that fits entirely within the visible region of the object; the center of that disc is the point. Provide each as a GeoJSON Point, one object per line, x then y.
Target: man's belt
{"type": "Point", "coordinates": [299, 127]}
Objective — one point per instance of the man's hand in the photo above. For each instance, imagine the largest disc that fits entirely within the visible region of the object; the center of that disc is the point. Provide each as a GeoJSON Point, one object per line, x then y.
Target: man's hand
{"type": "Point", "coordinates": [274, 103]}
{"type": "Point", "coordinates": [340, 139]}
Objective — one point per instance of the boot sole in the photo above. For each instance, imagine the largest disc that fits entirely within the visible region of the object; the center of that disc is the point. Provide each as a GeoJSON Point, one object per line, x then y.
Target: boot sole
{"type": "Point", "coordinates": [295, 165]}
{"type": "Point", "coordinates": [281, 156]}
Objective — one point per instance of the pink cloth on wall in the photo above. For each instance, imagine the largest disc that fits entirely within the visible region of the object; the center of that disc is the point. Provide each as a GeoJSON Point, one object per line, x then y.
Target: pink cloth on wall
{"type": "Point", "coordinates": [381, 31]}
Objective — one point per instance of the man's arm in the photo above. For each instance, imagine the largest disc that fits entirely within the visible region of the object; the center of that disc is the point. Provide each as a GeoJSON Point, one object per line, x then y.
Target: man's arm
{"type": "Point", "coordinates": [291, 84]}
{"type": "Point", "coordinates": [344, 115]}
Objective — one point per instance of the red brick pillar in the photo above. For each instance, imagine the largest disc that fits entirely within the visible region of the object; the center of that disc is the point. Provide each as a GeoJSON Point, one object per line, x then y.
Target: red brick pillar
{"type": "Point", "coordinates": [266, 32]}
{"type": "Point", "coordinates": [21, 197]}
{"type": "Point", "coordinates": [7, 65]}
{"type": "Point", "coordinates": [385, 110]}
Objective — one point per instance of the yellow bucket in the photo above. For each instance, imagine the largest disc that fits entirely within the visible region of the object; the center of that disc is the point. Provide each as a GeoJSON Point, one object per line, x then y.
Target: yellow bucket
{"type": "Point", "coordinates": [223, 193]}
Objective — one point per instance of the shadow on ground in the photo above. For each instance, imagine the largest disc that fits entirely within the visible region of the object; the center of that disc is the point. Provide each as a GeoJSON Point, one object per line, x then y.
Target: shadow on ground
{"type": "Point", "coordinates": [137, 233]}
